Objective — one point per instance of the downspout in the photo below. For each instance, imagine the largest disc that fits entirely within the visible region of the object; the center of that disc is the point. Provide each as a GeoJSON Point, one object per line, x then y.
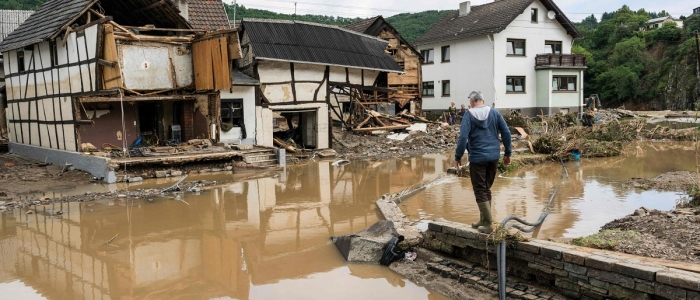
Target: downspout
{"type": "Point", "coordinates": [493, 68]}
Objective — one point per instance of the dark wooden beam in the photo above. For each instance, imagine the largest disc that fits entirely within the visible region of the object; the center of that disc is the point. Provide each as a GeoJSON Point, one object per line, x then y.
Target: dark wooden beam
{"type": "Point", "coordinates": [98, 21]}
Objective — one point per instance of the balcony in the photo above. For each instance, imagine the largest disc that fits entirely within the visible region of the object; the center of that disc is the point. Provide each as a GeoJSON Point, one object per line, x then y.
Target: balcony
{"type": "Point", "coordinates": [564, 61]}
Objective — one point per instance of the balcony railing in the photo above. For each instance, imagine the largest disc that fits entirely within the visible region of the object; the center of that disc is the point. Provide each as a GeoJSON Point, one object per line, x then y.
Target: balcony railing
{"type": "Point", "coordinates": [560, 60]}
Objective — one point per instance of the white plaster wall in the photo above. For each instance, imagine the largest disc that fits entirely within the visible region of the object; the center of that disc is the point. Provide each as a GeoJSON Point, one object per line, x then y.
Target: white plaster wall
{"type": "Point", "coordinates": [535, 35]}
{"type": "Point", "coordinates": [567, 99]}
{"type": "Point", "coordinates": [263, 127]}
{"type": "Point", "coordinates": [247, 93]}
{"type": "Point", "coordinates": [322, 141]}
{"type": "Point", "coordinates": [470, 68]}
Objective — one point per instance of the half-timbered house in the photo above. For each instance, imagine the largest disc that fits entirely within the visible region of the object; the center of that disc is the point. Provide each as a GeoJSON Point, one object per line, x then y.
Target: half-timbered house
{"type": "Point", "coordinates": [305, 70]}
{"type": "Point", "coordinates": [112, 74]}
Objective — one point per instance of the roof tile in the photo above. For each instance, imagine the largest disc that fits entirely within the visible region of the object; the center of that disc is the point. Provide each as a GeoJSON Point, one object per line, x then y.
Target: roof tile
{"type": "Point", "coordinates": [207, 14]}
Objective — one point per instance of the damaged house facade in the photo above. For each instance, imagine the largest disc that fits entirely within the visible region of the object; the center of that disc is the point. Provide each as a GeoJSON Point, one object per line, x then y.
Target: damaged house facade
{"type": "Point", "coordinates": [516, 52]}
{"type": "Point", "coordinates": [113, 74]}
{"type": "Point", "coordinates": [407, 85]}
{"type": "Point", "coordinates": [308, 74]}
{"type": "Point", "coordinates": [9, 21]}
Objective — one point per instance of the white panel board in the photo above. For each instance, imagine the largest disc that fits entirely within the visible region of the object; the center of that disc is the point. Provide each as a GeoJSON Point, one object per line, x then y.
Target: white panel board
{"type": "Point", "coordinates": [29, 85]}
{"type": "Point", "coordinates": [6, 63]}
{"type": "Point", "coordinates": [75, 80]}
{"type": "Point", "coordinates": [91, 40]}
{"type": "Point", "coordinates": [274, 71]}
{"type": "Point", "coordinates": [63, 80]}
{"type": "Point", "coordinates": [21, 81]}
{"type": "Point", "coordinates": [93, 76]}
{"type": "Point", "coordinates": [59, 141]}
{"type": "Point", "coordinates": [337, 74]}
{"type": "Point", "coordinates": [355, 76]}
{"type": "Point", "coordinates": [23, 108]}
{"type": "Point", "coordinates": [70, 137]}
{"type": "Point", "coordinates": [278, 93]}
{"type": "Point", "coordinates": [81, 49]}
{"type": "Point", "coordinates": [184, 75]}
{"type": "Point", "coordinates": [308, 72]}
{"type": "Point", "coordinates": [72, 48]}
{"type": "Point", "coordinates": [66, 108]}
{"type": "Point", "coordinates": [146, 67]}
{"type": "Point", "coordinates": [25, 132]}
{"type": "Point", "coordinates": [44, 57]}
{"type": "Point", "coordinates": [86, 77]}
{"type": "Point", "coordinates": [61, 51]}
{"type": "Point", "coordinates": [306, 91]}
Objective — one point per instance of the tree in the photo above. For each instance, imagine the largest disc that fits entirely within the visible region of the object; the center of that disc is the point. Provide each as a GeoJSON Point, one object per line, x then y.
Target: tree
{"type": "Point", "coordinates": [590, 22]}
{"type": "Point", "coordinates": [618, 85]}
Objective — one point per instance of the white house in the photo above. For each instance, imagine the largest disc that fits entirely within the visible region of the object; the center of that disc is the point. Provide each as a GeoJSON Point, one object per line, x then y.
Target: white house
{"type": "Point", "coordinates": [516, 52]}
{"type": "Point", "coordinates": [659, 22]}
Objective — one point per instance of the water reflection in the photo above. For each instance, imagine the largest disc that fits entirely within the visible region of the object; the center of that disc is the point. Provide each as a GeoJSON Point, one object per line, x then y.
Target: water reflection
{"type": "Point", "coordinates": [592, 195]}
{"type": "Point", "coordinates": [258, 239]}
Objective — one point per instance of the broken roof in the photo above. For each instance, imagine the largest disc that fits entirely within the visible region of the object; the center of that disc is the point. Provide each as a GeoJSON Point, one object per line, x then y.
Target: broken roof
{"type": "Point", "coordinates": [238, 78]}
{"type": "Point", "coordinates": [11, 19]}
{"type": "Point", "coordinates": [43, 23]}
{"type": "Point", "coordinates": [374, 26]}
{"type": "Point", "coordinates": [207, 14]}
{"type": "Point", "coordinates": [486, 19]}
{"type": "Point", "coordinates": [54, 15]}
{"type": "Point", "coordinates": [306, 42]}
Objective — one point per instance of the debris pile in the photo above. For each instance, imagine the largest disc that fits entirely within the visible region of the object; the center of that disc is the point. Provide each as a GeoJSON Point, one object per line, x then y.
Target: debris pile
{"type": "Point", "coordinates": [601, 140]}
{"type": "Point", "coordinates": [668, 235]}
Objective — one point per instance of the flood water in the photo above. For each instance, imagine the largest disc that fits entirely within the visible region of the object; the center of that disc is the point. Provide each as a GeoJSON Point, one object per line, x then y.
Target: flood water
{"type": "Point", "coordinates": [269, 238]}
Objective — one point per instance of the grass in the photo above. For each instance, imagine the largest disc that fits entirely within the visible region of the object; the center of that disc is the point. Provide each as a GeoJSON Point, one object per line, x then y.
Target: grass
{"type": "Point", "coordinates": [607, 239]}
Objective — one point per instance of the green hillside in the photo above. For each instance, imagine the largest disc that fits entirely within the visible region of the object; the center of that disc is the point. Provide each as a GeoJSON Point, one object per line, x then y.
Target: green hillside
{"type": "Point", "coordinates": [21, 4]}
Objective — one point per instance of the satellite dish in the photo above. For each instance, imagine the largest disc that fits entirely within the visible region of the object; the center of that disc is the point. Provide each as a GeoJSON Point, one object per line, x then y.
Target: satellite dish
{"type": "Point", "coordinates": [551, 15]}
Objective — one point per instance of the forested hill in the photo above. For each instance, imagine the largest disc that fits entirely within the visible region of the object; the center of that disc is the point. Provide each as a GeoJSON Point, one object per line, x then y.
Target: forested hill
{"type": "Point", "coordinates": [654, 69]}
{"type": "Point", "coordinates": [410, 25]}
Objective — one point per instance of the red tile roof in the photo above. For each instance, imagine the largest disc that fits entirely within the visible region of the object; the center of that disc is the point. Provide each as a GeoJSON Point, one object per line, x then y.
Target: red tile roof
{"type": "Point", "coordinates": [207, 14]}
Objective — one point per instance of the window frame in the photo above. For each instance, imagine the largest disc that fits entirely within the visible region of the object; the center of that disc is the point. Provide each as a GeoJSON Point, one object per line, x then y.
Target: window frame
{"type": "Point", "coordinates": [524, 84]}
{"type": "Point", "coordinates": [534, 15]}
{"type": "Point", "coordinates": [449, 88]}
{"type": "Point", "coordinates": [442, 53]}
{"type": "Point", "coordinates": [54, 53]}
{"type": "Point", "coordinates": [568, 77]}
{"type": "Point", "coordinates": [425, 89]}
{"type": "Point", "coordinates": [514, 47]}
{"type": "Point", "coordinates": [427, 58]}
{"type": "Point", "coordinates": [21, 67]}
{"type": "Point", "coordinates": [554, 43]}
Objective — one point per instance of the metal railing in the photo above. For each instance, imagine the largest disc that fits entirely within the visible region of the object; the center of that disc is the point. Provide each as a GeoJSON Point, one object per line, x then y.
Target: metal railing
{"type": "Point", "coordinates": [560, 60]}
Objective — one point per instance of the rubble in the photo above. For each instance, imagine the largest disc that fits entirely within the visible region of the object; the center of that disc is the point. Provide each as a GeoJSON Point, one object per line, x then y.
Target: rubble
{"type": "Point", "coordinates": [367, 245]}
{"type": "Point", "coordinates": [658, 234]}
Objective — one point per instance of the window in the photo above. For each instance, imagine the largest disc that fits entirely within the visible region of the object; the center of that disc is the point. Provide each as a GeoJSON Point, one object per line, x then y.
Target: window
{"type": "Point", "coordinates": [20, 61]}
{"type": "Point", "coordinates": [516, 47]}
{"type": "Point", "coordinates": [564, 83]}
{"type": "Point", "coordinates": [54, 54]}
{"type": "Point", "coordinates": [552, 47]}
{"type": "Point", "coordinates": [445, 53]}
{"type": "Point", "coordinates": [429, 88]}
{"type": "Point", "coordinates": [428, 56]}
{"type": "Point", "coordinates": [515, 84]}
{"type": "Point", "coordinates": [445, 87]}
{"type": "Point", "coordinates": [533, 15]}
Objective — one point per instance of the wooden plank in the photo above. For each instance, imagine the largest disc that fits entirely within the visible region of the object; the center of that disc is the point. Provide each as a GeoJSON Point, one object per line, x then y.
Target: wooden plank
{"type": "Point", "coordinates": [397, 127]}
{"type": "Point", "coordinates": [224, 70]}
{"type": "Point", "coordinates": [113, 74]}
{"type": "Point", "coordinates": [98, 21]}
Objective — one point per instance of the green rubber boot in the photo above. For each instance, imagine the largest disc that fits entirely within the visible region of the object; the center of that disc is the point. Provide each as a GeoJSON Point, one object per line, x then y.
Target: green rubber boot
{"type": "Point", "coordinates": [481, 218]}
{"type": "Point", "coordinates": [485, 209]}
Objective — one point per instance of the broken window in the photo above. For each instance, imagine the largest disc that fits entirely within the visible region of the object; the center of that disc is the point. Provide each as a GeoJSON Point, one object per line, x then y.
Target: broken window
{"type": "Point", "coordinates": [20, 61]}
{"type": "Point", "coordinates": [231, 114]}
{"type": "Point", "coordinates": [564, 83]}
{"type": "Point", "coordinates": [552, 47]}
{"type": "Point", "coordinates": [533, 15]}
{"type": "Point", "coordinates": [445, 87]}
{"type": "Point", "coordinates": [429, 88]}
{"type": "Point", "coordinates": [516, 47]}
{"type": "Point", "coordinates": [428, 56]}
{"type": "Point", "coordinates": [515, 84]}
{"type": "Point", "coordinates": [445, 53]}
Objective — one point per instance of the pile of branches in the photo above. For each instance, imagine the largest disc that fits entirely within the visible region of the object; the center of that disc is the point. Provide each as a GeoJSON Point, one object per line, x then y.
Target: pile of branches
{"type": "Point", "coordinates": [601, 140]}
{"type": "Point", "coordinates": [659, 133]}
{"type": "Point", "coordinates": [515, 119]}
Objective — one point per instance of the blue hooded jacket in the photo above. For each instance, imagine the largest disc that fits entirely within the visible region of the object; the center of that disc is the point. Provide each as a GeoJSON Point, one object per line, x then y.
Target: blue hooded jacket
{"type": "Point", "coordinates": [480, 137]}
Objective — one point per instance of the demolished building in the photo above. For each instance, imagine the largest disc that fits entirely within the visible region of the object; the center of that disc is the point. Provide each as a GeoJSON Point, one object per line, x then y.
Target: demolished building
{"type": "Point", "coordinates": [407, 85]}
{"type": "Point", "coordinates": [308, 73]}
{"type": "Point", "coordinates": [113, 74]}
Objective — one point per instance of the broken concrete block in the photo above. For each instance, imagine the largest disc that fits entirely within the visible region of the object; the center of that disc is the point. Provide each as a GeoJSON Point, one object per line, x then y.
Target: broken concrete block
{"type": "Point", "coordinates": [176, 173]}
{"type": "Point", "coordinates": [242, 147]}
{"type": "Point", "coordinates": [134, 179]}
{"type": "Point", "coordinates": [161, 174]}
{"type": "Point", "coordinates": [366, 246]}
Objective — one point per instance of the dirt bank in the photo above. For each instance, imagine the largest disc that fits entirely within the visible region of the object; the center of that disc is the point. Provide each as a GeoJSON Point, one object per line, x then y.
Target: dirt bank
{"type": "Point", "coordinates": [21, 176]}
{"type": "Point", "coordinates": [659, 234]}
{"type": "Point", "coordinates": [680, 181]}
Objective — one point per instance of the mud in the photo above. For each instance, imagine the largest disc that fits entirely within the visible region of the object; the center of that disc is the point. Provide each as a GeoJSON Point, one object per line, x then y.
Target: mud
{"type": "Point", "coordinates": [678, 181]}
{"type": "Point", "coordinates": [669, 235]}
{"type": "Point", "coordinates": [21, 176]}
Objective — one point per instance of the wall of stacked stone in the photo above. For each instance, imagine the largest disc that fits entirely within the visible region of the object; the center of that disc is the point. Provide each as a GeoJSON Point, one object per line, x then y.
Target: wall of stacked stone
{"type": "Point", "coordinates": [577, 273]}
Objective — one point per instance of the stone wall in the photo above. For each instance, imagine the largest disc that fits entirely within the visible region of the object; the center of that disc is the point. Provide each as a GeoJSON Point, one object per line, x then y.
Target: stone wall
{"type": "Point", "coordinates": [577, 273]}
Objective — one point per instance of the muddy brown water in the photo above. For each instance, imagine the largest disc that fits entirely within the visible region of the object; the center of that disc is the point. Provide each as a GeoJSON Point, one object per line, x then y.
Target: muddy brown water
{"type": "Point", "coordinates": [268, 238]}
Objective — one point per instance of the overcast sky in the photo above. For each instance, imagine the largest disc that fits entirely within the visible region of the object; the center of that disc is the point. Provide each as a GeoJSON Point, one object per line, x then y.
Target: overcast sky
{"type": "Point", "coordinates": [574, 9]}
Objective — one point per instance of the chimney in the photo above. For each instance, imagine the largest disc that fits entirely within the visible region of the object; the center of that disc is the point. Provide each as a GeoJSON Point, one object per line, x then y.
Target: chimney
{"type": "Point", "coordinates": [465, 8]}
{"type": "Point", "coordinates": [184, 9]}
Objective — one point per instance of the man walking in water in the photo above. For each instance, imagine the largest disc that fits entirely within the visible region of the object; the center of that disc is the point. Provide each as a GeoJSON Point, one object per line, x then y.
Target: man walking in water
{"type": "Point", "coordinates": [479, 134]}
